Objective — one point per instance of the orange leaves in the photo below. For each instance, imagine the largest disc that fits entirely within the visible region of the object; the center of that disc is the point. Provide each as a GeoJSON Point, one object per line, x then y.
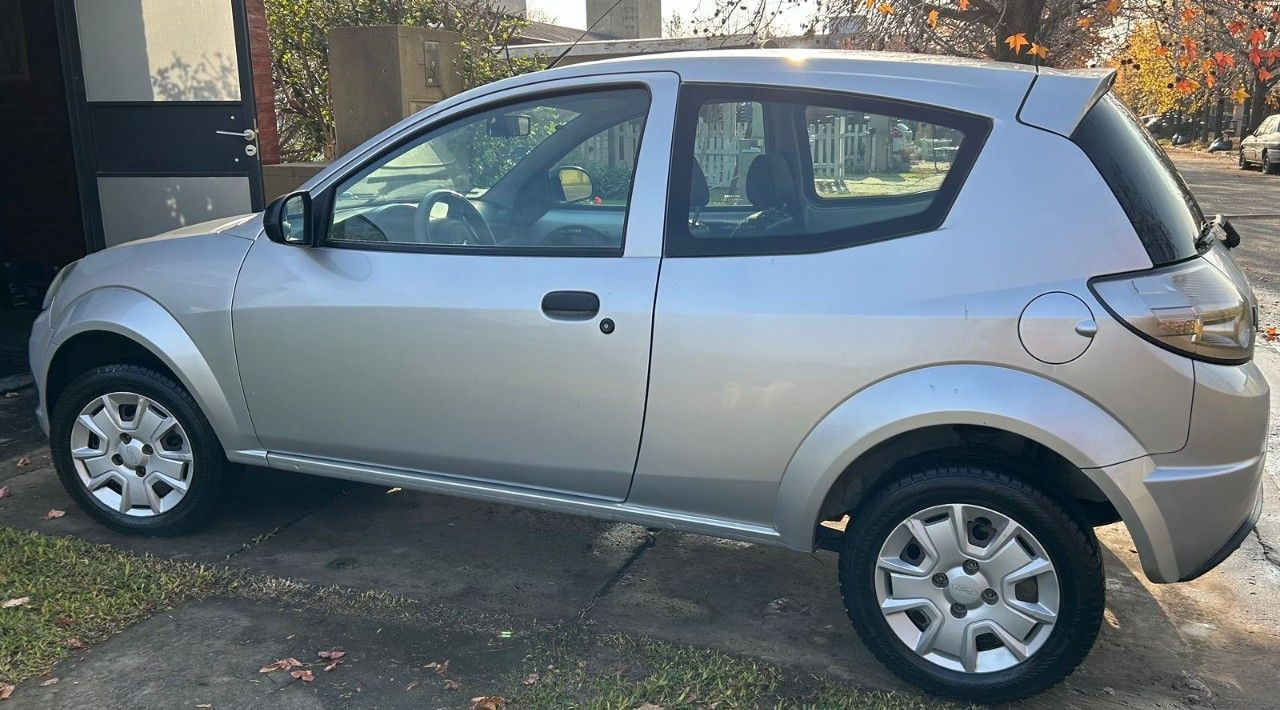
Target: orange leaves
{"type": "Point", "coordinates": [1235, 27]}
{"type": "Point", "coordinates": [1264, 75]}
{"type": "Point", "coordinates": [1257, 36]}
{"type": "Point", "coordinates": [1186, 86]}
{"type": "Point", "coordinates": [280, 665]}
{"type": "Point", "coordinates": [1016, 42]}
{"type": "Point", "coordinates": [1162, 51]}
{"type": "Point", "coordinates": [1084, 23]}
{"type": "Point", "coordinates": [1272, 336]}
{"type": "Point", "coordinates": [1189, 48]}
{"type": "Point", "coordinates": [885, 8]}
{"type": "Point", "coordinates": [964, 5]}
{"type": "Point", "coordinates": [1240, 95]}
{"type": "Point", "coordinates": [933, 18]}
{"type": "Point", "coordinates": [1113, 7]}
{"type": "Point", "coordinates": [1210, 80]}
{"type": "Point", "coordinates": [1189, 14]}
{"type": "Point", "coordinates": [1038, 50]}
{"type": "Point", "coordinates": [1224, 60]}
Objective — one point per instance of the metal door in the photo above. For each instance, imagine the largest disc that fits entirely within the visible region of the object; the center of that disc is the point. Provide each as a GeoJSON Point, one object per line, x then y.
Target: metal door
{"type": "Point", "coordinates": [162, 112]}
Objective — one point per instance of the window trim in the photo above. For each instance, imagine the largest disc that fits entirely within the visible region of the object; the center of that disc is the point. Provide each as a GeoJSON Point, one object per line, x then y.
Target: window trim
{"type": "Point", "coordinates": [325, 200]}
{"type": "Point", "coordinates": [678, 242]}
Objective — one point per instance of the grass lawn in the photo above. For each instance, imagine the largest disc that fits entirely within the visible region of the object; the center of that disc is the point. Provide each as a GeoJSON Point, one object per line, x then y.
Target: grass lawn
{"type": "Point", "coordinates": [79, 593]}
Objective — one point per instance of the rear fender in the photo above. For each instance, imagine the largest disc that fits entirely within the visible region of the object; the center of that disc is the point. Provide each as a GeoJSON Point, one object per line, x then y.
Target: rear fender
{"type": "Point", "coordinates": [1048, 413]}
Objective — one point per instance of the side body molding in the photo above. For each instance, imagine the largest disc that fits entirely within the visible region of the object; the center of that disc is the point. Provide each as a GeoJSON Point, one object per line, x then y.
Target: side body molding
{"type": "Point", "coordinates": [136, 316]}
{"type": "Point", "coordinates": [1003, 398]}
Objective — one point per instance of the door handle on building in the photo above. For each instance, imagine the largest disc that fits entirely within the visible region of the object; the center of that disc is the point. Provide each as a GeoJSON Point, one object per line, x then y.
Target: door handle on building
{"type": "Point", "coordinates": [248, 134]}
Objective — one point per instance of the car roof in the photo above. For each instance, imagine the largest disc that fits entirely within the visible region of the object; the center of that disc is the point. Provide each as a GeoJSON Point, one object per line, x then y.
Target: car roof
{"type": "Point", "coordinates": [983, 87]}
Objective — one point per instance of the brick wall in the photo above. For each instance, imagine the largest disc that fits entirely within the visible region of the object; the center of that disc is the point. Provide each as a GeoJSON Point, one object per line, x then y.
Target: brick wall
{"type": "Point", "coordinates": [263, 87]}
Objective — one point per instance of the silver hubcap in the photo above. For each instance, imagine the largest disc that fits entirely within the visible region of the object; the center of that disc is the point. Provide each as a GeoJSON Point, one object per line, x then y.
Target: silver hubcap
{"type": "Point", "coordinates": [131, 454]}
{"type": "Point", "coordinates": [967, 588]}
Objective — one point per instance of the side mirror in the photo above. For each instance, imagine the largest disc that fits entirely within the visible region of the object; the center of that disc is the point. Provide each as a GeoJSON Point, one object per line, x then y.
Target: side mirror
{"type": "Point", "coordinates": [1229, 236]}
{"type": "Point", "coordinates": [509, 126]}
{"type": "Point", "coordinates": [572, 184]}
{"type": "Point", "coordinates": [288, 220]}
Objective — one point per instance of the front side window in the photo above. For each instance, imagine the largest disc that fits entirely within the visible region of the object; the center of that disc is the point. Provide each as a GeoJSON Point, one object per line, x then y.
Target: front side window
{"type": "Point", "coordinates": [761, 171]}
{"type": "Point", "coordinates": [552, 175]}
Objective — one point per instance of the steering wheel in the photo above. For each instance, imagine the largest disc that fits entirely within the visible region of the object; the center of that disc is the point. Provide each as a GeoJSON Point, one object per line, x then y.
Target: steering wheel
{"type": "Point", "coordinates": [477, 230]}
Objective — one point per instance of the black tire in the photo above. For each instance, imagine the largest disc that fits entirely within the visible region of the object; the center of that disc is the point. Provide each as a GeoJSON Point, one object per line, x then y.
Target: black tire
{"type": "Point", "coordinates": [1067, 540]}
{"type": "Point", "coordinates": [213, 475]}
{"type": "Point", "coordinates": [1244, 164]}
{"type": "Point", "coordinates": [1268, 167]}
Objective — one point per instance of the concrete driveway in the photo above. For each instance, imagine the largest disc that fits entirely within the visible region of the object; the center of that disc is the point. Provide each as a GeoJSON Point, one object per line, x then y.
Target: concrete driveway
{"type": "Point", "coordinates": [1211, 642]}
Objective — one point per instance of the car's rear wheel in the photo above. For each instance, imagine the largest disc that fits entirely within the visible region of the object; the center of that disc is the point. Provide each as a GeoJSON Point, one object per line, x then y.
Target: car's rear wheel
{"type": "Point", "coordinates": [1268, 167]}
{"type": "Point", "coordinates": [969, 582]}
{"type": "Point", "coordinates": [133, 449]}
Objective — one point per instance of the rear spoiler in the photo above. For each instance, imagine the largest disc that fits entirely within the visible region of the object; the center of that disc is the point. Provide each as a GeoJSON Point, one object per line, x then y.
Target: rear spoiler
{"type": "Point", "coordinates": [1057, 100]}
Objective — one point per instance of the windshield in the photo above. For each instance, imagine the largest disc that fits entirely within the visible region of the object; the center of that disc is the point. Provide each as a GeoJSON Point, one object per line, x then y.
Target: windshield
{"type": "Point", "coordinates": [1147, 186]}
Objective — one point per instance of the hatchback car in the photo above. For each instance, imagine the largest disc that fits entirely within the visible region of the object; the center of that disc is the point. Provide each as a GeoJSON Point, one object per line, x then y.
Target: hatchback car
{"type": "Point", "coordinates": [702, 291]}
{"type": "Point", "coordinates": [1262, 147]}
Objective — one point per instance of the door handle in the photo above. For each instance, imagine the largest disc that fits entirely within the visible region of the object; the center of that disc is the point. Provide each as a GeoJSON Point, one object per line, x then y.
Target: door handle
{"type": "Point", "coordinates": [247, 134]}
{"type": "Point", "coordinates": [571, 305]}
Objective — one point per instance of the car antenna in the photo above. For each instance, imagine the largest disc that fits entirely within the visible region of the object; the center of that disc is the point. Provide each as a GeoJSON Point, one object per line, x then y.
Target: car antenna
{"type": "Point", "coordinates": [584, 34]}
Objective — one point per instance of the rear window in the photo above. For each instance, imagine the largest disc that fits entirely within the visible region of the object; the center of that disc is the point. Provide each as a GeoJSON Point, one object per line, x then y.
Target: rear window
{"type": "Point", "coordinates": [1153, 195]}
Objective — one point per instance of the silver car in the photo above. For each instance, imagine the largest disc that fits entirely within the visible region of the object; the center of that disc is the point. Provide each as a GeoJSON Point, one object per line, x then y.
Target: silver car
{"type": "Point", "coordinates": [705, 291]}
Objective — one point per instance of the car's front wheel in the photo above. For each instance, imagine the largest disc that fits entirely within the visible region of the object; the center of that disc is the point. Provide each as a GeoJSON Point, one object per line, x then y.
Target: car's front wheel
{"type": "Point", "coordinates": [969, 582]}
{"type": "Point", "coordinates": [133, 449]}
{"type": "Point", "coordinates": [1244, 164]}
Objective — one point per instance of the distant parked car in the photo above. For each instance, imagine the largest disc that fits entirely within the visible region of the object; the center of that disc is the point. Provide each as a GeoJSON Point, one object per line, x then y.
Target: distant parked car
{"type": "Point", "coordinates": [1262, 147]}
{"type": "Point", "coordinates": [949, 381]}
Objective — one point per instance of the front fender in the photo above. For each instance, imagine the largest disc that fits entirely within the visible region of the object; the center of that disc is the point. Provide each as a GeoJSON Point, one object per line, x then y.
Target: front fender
{"type": "Point", "coordinates": [1002, 398]}
{"type": "Point", "coordinates": [134, 315]}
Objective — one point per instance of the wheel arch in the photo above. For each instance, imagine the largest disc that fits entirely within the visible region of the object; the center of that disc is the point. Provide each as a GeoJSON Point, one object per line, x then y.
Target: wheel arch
{"type": "Point", "coordinates": [116, 324]}
{"type": "Point", "coordinates": [997, 411]}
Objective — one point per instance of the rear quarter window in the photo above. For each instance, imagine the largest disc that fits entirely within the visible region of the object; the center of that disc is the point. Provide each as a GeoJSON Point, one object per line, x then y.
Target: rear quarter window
{"type": "Point", "coordinates": [1148, 187]}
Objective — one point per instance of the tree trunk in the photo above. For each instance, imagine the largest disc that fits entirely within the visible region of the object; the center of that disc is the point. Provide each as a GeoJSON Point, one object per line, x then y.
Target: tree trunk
{"type": "Point", "coordinates": [1257, 107]}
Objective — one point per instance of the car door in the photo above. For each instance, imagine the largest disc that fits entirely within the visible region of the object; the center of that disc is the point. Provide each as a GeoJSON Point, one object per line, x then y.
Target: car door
{"type": "Point", "coordinates": [480, 304]}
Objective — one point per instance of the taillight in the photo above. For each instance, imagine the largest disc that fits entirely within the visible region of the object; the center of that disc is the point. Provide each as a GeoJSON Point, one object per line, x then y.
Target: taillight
{"type": "Point", "coordinates": [1192, 308]}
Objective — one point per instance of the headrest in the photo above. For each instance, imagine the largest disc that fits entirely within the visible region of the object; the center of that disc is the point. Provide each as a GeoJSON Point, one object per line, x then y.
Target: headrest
{"type": "Point", "coordinates": [769, 182]}
{"type": "Point", "coordinates": [699, 195]}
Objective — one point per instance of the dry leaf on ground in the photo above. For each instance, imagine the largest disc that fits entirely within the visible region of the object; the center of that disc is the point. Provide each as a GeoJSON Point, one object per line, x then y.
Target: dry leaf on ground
{"type": "Point", "coordinates": [305, 675]}
{"type": "Point", "coordinates": [6, 689]}
{"type": "Point", "coordinates": [54, 514]}
{"type": "Point", "coordinates": [451, 684]}
{"type": "Point", "coordinates": [24, 461]}
{"type": "Point", "coordinates": [331, 655]}
{"type": "Point", "coordinates": [11, 603]}
{"type": "Point", "coordinates": [411, 686]}
{"type": "Point", "coordinates": [75, 643]}
{"type": "Point", "coordinates": [531, 679]}
{"type": "Point", "coordinates": [438, 667]}
{"type": "Point", "coordinates": [280, 665]}
{"type": "Point", "coordinates": [488, 702]}
{"type": "Point", "coordinates": [5, 492]}
{"type": "Point", "coordinates": [49, 682]}
{"type": "Point", "coordinates": [333, 664]}
{"type": "Point", "coordinates": [649, 706]}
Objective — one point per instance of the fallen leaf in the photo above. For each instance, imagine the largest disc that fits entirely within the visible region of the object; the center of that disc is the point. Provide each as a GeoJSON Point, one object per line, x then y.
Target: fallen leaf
{"type": "Point", "coordinates": [280, 665]}
{"type": "Point", "coordinates": [451, 684]}
{"type": "Point", "coordinates": [438, 667]}
{"type": "Point", "coordinates": [332, 655]}
{"type": "Point", "coordinates": [649, 706]}
{"type": "Point", "coordinates": [4, 492]}
{"type": "Point", "coordinates": [47, 683]}
{"type": "Point", "coordinates": [6, 689]}
{"type": "Point", "coordinates": [332, 664]}
{"type": "Point", "coordinates": [411, 686]}
{"type": "Point", "coordinates": [1113, 6]}
{"type": "Point", "coordinates": [394, 490]}
{"type": "Point", "coordinates": [75, 643]}
{"type": "Point", "coordinates": [24, 461]}
{"type": "Point", "coordinates": [531, 679]}
{"type": "Point", "coordinates": [1272, 335]}
{"type": "Point", "coordinates": [488, 702]}
{"type": "Point", "coordinates": [305, 675]}
{"type": "Point", "coordinates": [11, 603]}
{"type": "Point", "coordinates": [64, 622]}
{"type": "Point", "coordinates": [54, 514]}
